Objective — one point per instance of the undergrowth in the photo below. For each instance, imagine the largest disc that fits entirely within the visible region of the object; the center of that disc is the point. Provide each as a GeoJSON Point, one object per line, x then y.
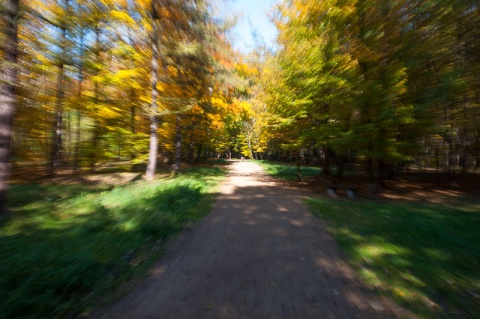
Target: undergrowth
{"type": "Point", "coordinates": [66, 246]}
{"type": "Point", "coordinates": [425, 256]}
{"type": "Point", "coordinates": [288, 172]}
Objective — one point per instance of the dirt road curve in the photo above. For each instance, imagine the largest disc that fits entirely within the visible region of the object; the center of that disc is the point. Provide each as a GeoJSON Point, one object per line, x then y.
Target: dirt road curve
{"type": "Point", "coordinates": [259, 254]}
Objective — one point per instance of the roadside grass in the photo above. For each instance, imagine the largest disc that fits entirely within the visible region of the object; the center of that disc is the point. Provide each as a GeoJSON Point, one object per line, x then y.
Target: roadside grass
{"type": "Point", "coordinates": [67, 246]}
{"type": "Point", "coordinates": [425, 256]}
{"type": "Point", "coordinates": [217, 161]}
{"type": "Point", "coordinates": [287, 171]}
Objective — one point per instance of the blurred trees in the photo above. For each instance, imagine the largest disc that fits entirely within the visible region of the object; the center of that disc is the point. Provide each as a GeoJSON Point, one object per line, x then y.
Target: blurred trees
{"type": "Point", "coordinates": [102, 81]}
{"type": "Point", "coordinates": [9, 13]}
{"type": "Point", "coordinates": [98, 78]}
{"type": "Point", "coordinates": [384, 84]}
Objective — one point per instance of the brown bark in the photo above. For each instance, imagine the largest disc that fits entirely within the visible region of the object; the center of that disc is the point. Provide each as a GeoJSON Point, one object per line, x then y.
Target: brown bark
{"type": "Point", "coordinates": [341, 166]}
{"type": "Point", "coordinates": [7, 93]}
{"type": "Point", "coordinates": [327, 151]}
{"type": "Point", "coordinates": [58, 129]}
{"type": "Point", "coordinates": [191, 150]}
{"type": "Point", "coordinates": [382, 169]}
{"type": "Point", "coordinates": [76, 151]}
{"type": "Point", "coordinates": [199, 153]}
{"type": "Point", "coordinates": [95, 142]}
{"type": "Point", "coordinates": [299, 166]}
{"type": "Point", "coordinates": [178, 146]}
{"type": "Point", "coordinates": [96, 99]}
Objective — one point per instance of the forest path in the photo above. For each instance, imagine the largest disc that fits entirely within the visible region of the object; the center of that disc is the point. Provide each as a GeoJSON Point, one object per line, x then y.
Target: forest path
{"type": "Point", "coordinates": [258, 254]}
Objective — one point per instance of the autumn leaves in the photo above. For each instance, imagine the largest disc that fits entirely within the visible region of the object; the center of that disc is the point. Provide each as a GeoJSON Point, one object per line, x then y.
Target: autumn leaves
{"type": "Point", "coordinates": [376, 83]}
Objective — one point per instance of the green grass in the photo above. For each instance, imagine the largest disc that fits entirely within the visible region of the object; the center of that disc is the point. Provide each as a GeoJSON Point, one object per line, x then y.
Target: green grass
{"type": "Point", "coordinates": [67, 246]}
{"type": "Point", "coordinates": [287, 172]}
{"type": "Point", "coordinates": [425, 256]}
{"type": "Point", "coordinates": [217, 161]}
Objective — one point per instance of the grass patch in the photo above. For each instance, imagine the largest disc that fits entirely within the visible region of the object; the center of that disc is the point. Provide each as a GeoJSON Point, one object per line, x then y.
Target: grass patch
{"type": "Point", "coordinates": [67, 246]}
{"type": "Point", "coordinates": [287, 171]}
{"type": "Point", "coordinates": [217, 161]}
{"type": "Point", "coordinates": [425, 256]}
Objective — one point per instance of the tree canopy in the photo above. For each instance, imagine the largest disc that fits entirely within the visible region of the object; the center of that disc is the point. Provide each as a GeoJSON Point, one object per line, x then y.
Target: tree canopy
{"type": "Point", "coordinates": [381, 85]}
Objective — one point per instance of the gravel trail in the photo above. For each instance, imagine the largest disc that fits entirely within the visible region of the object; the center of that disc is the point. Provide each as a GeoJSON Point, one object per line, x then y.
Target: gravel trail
{"type": "Point", "coordinates": [258, 254]}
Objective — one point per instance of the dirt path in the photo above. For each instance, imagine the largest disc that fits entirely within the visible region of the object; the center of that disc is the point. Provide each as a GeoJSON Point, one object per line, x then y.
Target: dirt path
{"type": "Point", "coordinates": [258, 254]}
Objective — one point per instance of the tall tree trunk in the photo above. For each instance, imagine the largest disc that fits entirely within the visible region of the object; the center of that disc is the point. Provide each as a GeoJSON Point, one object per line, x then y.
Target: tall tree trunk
{"type": "Point", "coordinates": [199, 152]}
{"type": "Point", "coordinates": [96, 125]}
{"type": "Point", "coordinates": [299, 166]}
{"type": "Point", "coordinates": [341, 166]}
{"type": "Point", "coordinates": [153, 147]}
{"type": "Point", "coordinates": [132, 123]}
{"type": "Point", "coordinates": [370, 165]}
{"type": "Point", "coordinates": [327, 163]}
{"type": "Point", "coordinates": [7, 92]}
{"type": "Point", "coordinates": [382, 170]}
{"type": "Point", "coordinates": [96, 101]}
{"type": "Point", "coordinates": [58, 129]}
{"type": "Point", "coordinates": [191, 150]}
{"type": "Point", "coordinates": [76, 151]}
{"type": "Point", "coordinates": [94, 147]}
{"type": "Point", "coordinates": [178, 145]}
{"type": "Point", "coordinates": [249, 144]}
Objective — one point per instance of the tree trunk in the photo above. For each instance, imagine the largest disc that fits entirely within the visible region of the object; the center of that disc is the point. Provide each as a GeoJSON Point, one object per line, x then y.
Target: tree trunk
{"type": "Point", "coordinates": [477, 153]}
{"type": "Point", "coordinates": [7, 92]}
{"type": "Point", "coordinates": [369, 167]}
{"type": "Point", "coordinates": [152, 152]}
{"type": "Point", "coordinates": [199, 153]}
{"type": "Point", "coordinates": [191, 150]}
{"type": "Point", "coordinates": [132, 123]}
{"type": "Point", "coordinates": [76, 151]}
{"type": "Point", "coordinates": [327, 163]}
{"type": "Point", "coordinates": [299, 166]}
{"type": "Point", "coordinates": [57, 130]}
{"type": "Point", "coordinates": [178, 146]}
{"type": "Point", "coordinates": [341, 166]}
{"type": "Point", "coordinates": [250, 148]}
{"type": "Point", "coordinates": [132, 113]}
{"type": "Point", "coordinates": [96, 98]}
{"type": "Point", "coordinates": [381, 172]}
{"type": "Point", "coordinates": [68, 142]}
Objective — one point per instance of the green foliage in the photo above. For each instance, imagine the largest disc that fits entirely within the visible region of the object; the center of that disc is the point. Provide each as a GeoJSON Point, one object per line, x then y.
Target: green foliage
{"type": "Point", "coordinates": [389, 82]}
{"type": "Point", "coordinates": [425, 256]}
{"type": "Point", "coordinates": [286, 171]}
{"type": "Point", "coordinates": [69, 245]}
{"type": "Point", "coordinates": [218, 161]}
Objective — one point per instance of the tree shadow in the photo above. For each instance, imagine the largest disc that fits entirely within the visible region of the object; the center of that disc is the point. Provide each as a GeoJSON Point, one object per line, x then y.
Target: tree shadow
{"type": "Point", "coordinates": [424, 255]}
{"type": "Point", "coordinates": [258, 254]}
{"type": "Point", "coordinates": [56, 263]}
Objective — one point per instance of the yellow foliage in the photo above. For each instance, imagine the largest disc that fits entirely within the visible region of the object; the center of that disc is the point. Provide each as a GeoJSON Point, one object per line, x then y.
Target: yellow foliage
{"type": "Point", "coordinates": [122, 16]}
{"type": "Point", "coordinates": [107, 113]}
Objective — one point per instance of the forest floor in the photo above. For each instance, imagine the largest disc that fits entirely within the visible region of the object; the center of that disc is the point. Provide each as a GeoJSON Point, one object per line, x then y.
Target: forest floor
{"type": "Point", "coordinates": [258, 254]}
{"type": "Point", "coordinates": [426, 186]}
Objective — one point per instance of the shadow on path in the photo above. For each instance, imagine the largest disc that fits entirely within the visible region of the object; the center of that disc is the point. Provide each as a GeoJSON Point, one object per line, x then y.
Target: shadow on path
{"type": "Point", "coordinates": [259, 254]}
